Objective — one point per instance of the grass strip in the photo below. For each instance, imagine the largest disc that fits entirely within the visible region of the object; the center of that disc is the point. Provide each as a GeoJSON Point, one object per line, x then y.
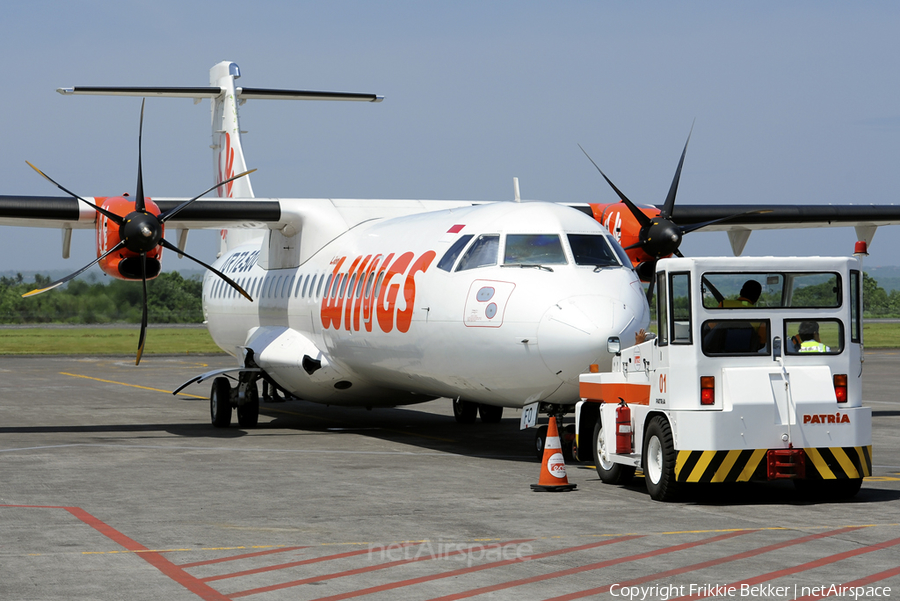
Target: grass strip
{"type": "Point", "coordinates": [105, 341]}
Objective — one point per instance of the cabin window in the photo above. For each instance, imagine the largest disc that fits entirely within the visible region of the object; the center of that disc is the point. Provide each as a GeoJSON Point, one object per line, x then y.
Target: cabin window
{"type": "Point", "coordinates": [482, 253]}
{"type": "Point", "coordinates": [319, 287]}
{"type": "Point", "coordinates": [338, 285]}
{"type": "Point", "coordinates": [350, 286]}
{"type": "Point", "coordinates": [813, 337]}
{"type": "Point", "coordinates": [359, 285]}
{"type": "Point", "coordinates": [327, 286]}
{"type": "Point", "coordinates": [746, 290]}
{"type": "Point", "coordinates": [735, 337]}
{"type": "Point", "coordinates": [593, 249]}
{"type": "Point", "coordinates": [534, 249]}
{"type": "Point", "coordinates": [305, 284]}
{"type": "Point", "coordinates": [369, 283]}
{"type": "Point", "coordinates": [449, 258]}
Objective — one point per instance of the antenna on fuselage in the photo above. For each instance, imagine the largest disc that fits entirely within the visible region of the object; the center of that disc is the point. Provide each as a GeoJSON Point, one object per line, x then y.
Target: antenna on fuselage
{"type": "Point", "coordinates": [516, 198]}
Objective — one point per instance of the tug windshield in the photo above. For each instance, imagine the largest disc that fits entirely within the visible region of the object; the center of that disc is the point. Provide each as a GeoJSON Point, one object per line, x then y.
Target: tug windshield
{"type": "Point", "coordinates": [806, 290]}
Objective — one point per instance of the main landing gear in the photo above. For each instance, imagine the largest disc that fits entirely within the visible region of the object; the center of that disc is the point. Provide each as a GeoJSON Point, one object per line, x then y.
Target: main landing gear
{"type": "Point", "coordinates": [465, 412]}
{"type": "Point", "coordinates": [224, 397]}
{"type": "Point", "coordinates": [566, 434]}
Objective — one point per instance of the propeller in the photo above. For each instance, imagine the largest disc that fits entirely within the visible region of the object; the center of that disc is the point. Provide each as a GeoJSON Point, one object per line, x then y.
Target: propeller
{"type": "Point", "coordinates": [659, 236]}
{"type": "Point", "coordinates": [140, 232]}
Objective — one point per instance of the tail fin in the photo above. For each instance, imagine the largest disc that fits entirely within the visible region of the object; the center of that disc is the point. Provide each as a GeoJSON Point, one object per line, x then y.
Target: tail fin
{"type": "Point", "coordinates": [228, 154]}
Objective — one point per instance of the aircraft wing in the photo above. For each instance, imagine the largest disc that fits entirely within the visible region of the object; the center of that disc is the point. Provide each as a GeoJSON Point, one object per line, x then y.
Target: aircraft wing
{"type": "Point", "coordinates": [65, 212]}
{"type": "Point", "coordinates": [773, 217]}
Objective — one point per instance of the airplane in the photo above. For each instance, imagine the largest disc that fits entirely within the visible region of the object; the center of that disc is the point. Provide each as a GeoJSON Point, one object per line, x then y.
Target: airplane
{"type": "Point", "coordinates": [388, 302]}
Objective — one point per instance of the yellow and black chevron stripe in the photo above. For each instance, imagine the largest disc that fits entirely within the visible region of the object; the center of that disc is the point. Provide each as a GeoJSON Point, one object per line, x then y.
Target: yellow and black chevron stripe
{"type": "Point", "coordinates": [750, 464]}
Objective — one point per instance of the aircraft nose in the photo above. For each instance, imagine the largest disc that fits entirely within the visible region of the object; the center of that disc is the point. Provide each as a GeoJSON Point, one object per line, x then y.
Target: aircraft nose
{"type": "Point", "coordinates": [573, 332]}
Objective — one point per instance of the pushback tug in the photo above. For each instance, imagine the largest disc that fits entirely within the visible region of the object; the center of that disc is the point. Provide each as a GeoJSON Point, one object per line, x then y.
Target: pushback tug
{"type": "Point", "coordinates": [755, 375]}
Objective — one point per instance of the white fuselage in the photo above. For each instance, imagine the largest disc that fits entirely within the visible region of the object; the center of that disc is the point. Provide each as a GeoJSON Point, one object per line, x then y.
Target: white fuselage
{"type": "Point", "coordinates": [403, 324]}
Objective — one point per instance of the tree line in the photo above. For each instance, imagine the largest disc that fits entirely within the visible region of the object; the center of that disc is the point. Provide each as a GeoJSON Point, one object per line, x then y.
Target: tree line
{"type": "Point", "coordinates": [170, 298]}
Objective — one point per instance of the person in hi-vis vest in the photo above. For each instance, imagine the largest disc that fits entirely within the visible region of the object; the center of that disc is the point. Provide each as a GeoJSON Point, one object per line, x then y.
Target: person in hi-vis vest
{"type": "Point", "coordinates": [809, 338]}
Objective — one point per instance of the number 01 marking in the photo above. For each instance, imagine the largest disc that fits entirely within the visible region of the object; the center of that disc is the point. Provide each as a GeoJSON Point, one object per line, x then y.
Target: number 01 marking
{"type": "Point", "coordinates": [662, 382]}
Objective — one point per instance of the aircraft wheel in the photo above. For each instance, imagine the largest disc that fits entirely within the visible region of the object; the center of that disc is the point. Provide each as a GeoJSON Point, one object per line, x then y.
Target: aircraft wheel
{"type": "Point", "coordinates": [659, 460]}
{"type": "Point", "coordinates": [490, 414]}
{"type": "Point", "coordinates": [828, 490]}
{"type": "Point", "coordinates": [609, 472]}
{"type": "Point", "coordinates": [220, 403]}
{"type": "Point", "coordinates": [540, 439]}
{"type": "Point", "coordinates": [465, 412]}
{"type": "Point", "coordinates": [248, 413]}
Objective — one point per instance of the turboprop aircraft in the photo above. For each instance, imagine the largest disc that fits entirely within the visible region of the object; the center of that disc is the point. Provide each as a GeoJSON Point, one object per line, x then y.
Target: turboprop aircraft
{"type": "Point", "coordinates": [388, 302]}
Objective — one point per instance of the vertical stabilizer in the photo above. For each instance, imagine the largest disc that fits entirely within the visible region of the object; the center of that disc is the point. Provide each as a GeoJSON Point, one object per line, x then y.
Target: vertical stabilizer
{"type": "Point", "coordinates": [228, 154]}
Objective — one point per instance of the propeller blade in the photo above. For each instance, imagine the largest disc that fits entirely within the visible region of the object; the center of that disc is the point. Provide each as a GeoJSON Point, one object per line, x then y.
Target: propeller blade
{"type": "Point", "coordinates": [140, 351]}
{"type": "Point", "coordinates": [77, 273]}
{"type": "Point", "coordinates": [112, 216]}
{"type": "Point", "coordinates": [139, 195]}
{"type": "Point", "coordinates": [166, 244]}
{"type": "Point", "coordinates": [641, 218]}
{"type": "Point", "coordinates": [172, 212]}
{"type": "Point", "coordinates": [673, 189]}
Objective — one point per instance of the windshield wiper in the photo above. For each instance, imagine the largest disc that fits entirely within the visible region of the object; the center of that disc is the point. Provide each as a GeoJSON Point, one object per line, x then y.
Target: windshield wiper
{"type": "Point", "coordinates": [523, 265]}
{"type": "Point", "coordinates": [598, 266]}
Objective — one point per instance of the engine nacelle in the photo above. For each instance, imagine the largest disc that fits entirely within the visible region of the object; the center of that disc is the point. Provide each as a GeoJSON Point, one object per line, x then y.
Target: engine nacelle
{"type": "Point", "coordinates": [124, 264]}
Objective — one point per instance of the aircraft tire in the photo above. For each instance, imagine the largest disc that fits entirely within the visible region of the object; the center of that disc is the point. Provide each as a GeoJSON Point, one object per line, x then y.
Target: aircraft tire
{"type": "Point", "coordinates": [540, 440]}
{"type": "Point", "coordinates": [609, 472]}
{"type": "Point", "coordinates": [248, 413]}
{"type": "Point", "coordinates": [490, 414]}
{"type": "Point", "coordinates": [220, 403]}
{"type": "Point", "coordinates": [465, 412]}
{"type": "Point", "coordinates": [658, 460]}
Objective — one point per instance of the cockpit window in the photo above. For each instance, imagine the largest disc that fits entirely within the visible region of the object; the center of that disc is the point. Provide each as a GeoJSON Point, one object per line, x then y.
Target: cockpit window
{"type": "Point", "coordinates": [449, 258]}
{"type": "Point", "coordinates": [534, 249]}
{"type": "Point", "coordinates": [593, 249]}
{"type": "Point", "coordinates": [482, 253]}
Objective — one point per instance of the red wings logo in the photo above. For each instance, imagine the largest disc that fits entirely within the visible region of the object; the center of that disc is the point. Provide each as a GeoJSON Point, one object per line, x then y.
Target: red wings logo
{"type": "Point", "coordinates": [226, 155]}
{"type": "Point", "coordinates": [365, 292]}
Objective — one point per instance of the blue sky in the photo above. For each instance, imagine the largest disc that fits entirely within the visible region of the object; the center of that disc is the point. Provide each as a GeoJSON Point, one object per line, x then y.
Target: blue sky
{"type": "Point", "coordinates": [794, 103]}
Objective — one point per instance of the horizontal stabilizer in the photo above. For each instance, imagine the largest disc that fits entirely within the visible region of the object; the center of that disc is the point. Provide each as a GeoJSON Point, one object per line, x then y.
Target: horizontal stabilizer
{"type": "Point", "coordinates": [215, 92]}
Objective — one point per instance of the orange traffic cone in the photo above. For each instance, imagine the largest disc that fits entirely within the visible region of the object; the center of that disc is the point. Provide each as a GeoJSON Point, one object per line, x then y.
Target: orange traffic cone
{"type": "Point", "coordinates": [553, 466]}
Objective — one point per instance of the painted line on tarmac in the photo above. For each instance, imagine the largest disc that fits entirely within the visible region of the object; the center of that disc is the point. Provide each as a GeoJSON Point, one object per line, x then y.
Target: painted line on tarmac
{"type": "Point", "coordinates": [589, 567]}
{"type": "Point", "coordinates": [706, 564]}
{"type": "Point", "coordinates": [409, 582]}
{"type": "Point", "coordinates": [817, 563]}
{"type": "Point", "coordinates": [292, 564]}
{"type": "Point", "coordinates": [207, 562]}
{"type": "Point", "coordinates": [177, 574]}
{"type": "Point", "coordinates": [64, 373]}
{"type": "Point", "coordinates": [856, 583]}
